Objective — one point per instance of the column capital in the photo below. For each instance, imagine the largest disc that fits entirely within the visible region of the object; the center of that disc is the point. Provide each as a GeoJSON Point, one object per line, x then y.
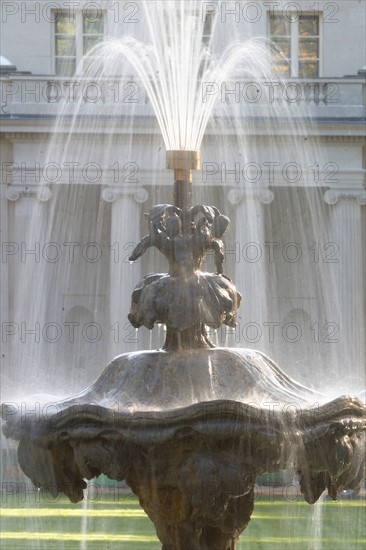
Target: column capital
{"type": "Point", "coordinates": [40, 192]}
{"type": "Point", "coordinates": [264, 195]}
{"type": "Point", "coordinates": [332, 196]}
{"type": "Point", "coordinates": [111, 194]}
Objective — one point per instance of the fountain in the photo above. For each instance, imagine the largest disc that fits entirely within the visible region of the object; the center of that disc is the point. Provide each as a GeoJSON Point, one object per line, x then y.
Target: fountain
{"type": "Point", "coordinates": [204, 424]}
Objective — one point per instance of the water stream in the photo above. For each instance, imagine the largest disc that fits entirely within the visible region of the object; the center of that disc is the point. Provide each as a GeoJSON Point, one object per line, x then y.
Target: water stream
{"type": "Point", "coordinates": [260, 167]}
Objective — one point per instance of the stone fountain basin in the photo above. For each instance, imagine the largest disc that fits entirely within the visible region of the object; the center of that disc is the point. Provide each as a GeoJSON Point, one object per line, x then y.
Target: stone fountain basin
{"type": "Point", "coordinates": [163, 380]}
{"type": "Point", "coordinates": [231, 412]}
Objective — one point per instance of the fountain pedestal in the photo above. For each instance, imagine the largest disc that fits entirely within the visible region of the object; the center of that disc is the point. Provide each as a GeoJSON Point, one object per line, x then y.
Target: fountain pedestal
{"type": "Point", "coordinates": [189, 431]}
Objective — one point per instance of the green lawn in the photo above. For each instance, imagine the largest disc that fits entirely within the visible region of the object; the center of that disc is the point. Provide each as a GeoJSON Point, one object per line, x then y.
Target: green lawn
{"type": "Point", "coordinates": [119, 523]}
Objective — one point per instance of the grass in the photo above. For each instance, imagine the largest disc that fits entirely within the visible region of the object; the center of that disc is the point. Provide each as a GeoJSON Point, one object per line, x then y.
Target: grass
{"type": "Point", "coordinates": [108, 523]}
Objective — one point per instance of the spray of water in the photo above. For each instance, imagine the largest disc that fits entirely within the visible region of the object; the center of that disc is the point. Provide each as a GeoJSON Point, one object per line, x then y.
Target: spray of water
{"type": "Point", "coordinates": [176, 59]}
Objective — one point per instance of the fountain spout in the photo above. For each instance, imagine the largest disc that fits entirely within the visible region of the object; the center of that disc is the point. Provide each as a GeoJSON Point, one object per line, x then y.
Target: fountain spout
{"type": "Point", "coordinates": [183, 163]}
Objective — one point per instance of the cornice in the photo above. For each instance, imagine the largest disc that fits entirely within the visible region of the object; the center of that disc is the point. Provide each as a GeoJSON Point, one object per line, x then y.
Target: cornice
{"type": "Point", "coordinates": [342, 139]}
{"type": "Point", "coordinates": [22, 135]}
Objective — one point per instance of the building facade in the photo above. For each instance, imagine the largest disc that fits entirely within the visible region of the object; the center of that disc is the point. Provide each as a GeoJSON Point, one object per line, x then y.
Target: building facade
{"type": "Point", "coordinates": [296, 248]}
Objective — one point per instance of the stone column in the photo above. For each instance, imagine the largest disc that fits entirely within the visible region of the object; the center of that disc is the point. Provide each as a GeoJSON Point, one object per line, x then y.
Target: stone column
{"type": "Point", "coordinates": [26, 262]}
{"type": "Point", "coordinates": [124, 276]}
{"type": "Point", "coordinates": [347, 292]}
{"type": "Point", "coordinates": [251, 268]}
{"type": "Point", "coordinates": [4, 283]}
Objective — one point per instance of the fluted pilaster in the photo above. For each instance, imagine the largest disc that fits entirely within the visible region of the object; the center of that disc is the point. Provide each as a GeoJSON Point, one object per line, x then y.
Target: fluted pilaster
{"type": "Point", "coordinates": [348, 287]}
{"type": "Point", "coordinates": [250, 267]}
{"type": "Point", "coordinates": [125, 234]}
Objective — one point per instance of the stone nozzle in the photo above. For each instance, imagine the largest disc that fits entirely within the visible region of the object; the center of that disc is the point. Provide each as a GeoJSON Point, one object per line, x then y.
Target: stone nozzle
{"type": "Point", "coordinates": [183, 162]}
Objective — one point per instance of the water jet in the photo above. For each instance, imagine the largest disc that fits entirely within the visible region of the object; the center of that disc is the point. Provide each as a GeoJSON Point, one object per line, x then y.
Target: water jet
{"type": "Point", "coordinates": [203, 425]}
{"type": "Point", "coordinates": [193, 462]}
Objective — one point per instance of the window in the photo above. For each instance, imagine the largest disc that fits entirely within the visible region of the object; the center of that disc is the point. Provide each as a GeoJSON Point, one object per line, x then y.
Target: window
{"type": "Point", "coordinates": [296, 51]}
{"type": "Point", "coordinates": [75, 34]}
{"type": "Point", "coordinates": [208, 28]}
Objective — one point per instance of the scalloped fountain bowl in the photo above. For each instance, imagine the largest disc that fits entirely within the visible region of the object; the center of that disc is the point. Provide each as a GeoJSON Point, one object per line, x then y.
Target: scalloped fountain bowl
{"type": "Point", "coordinates": [189, 431]}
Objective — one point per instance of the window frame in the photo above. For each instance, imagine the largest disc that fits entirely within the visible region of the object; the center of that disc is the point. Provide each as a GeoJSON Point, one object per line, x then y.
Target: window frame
{"type": "Point", "coordinates": [209, 24]}
{"type": "Point", "coordinates": [79, 38]}
{"type": "Point", "coordinates": [295, 41]}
